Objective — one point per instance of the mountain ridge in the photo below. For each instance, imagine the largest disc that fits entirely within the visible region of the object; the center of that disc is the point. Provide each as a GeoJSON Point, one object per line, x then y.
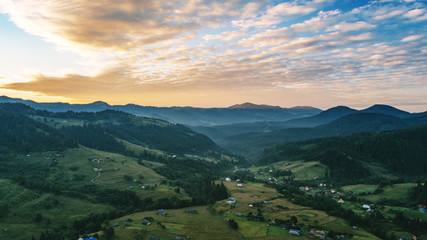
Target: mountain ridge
{"type": "Point", "coordinates": [183, 115]}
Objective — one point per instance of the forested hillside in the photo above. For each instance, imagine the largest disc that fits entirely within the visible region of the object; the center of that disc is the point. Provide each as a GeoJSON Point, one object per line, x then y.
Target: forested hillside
{"type": "Point", "coordinates": [402, 152]}
{"type": "Point", "coordinates": [352, 123]}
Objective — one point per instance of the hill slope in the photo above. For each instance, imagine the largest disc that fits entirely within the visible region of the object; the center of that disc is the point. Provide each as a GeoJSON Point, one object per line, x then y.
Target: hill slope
{"type": "Point", "coordinates": [402, 152]}
{"type": "Point", "coordinates": [359, 122]}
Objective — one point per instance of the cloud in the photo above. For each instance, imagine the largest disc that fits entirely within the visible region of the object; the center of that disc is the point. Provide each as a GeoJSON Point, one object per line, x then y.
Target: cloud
{"type": "Point", "coordinates": [267, 38]}
{"type": "Point", "coordinates": [250, 10]}
{"type": "Point", "coordinates": [412, 38]}
{"type": "Point", "coordinates": [172, 50]}
{"type": "Point", "coordinates": [390, 14]}
{"type": "Point", "coordinates": [287, 8]}
{"type": "Point", "coordinates": [355, 26]}
{"type": "Point", "coordinates": [414, 13]}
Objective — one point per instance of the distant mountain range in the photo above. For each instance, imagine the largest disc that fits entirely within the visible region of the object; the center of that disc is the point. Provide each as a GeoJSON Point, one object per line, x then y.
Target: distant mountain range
{"type": "Point", "coordinates": [338, 121]}
{"type": "Point", "coordinates": [243, 113]}
{"type": "Point", "coordinates": [220, 132]}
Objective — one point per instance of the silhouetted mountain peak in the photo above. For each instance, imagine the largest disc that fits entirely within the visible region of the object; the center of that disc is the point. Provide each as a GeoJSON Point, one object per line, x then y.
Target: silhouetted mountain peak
{"type": "Point", "coordinates": [100, 103]}
{"type": "Point", "coordinates": [249, 105]}
{"type": "Point", "coordinates": [338, 111]}
{"type": "Point", "coordinates": [386, 109]}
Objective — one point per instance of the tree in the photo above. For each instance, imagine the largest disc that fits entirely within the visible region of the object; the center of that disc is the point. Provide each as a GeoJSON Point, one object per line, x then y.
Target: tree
{"type": "Point", "coordinates": [294, 220]}
{"type": "Point", "coordinates": [233, 224]}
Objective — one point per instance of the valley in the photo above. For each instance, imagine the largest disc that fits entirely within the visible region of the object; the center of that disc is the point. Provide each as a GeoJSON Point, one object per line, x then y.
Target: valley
{"type": "Point", "coordinates": [108, 174]}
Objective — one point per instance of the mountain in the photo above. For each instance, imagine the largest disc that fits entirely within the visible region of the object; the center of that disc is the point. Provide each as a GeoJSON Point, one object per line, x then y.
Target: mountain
{"type": "Point", "coordinates": [253, 106]}
{"type": "Point", "coordinates": [389, 110]}
{"type": "Point", "coordinates": [252, 144]}
{"type": "Point", "coordinates": [182, 115]}
{"type": "Point", "coordinates": [220, 132]}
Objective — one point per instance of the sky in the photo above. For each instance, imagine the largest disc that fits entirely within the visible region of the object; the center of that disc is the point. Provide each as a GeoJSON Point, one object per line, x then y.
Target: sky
{"type": "Point", "coordinates": [319, 53]}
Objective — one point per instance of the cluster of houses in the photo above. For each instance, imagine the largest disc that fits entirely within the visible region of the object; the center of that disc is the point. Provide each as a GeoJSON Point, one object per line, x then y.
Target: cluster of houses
{"type": "Point", "coordinates": [316, 234]}
{"type": "Point", "coordinates": [422, 208]}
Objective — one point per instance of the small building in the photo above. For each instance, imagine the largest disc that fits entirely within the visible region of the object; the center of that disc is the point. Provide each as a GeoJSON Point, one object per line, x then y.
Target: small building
{"type": "Point", "coordinates": [146, 222]}
{"type": "Point", "coordinates": [319, 234]}
{"type": "Point", "coordinates": [340, 201]}
{"type": "Point", "coordinates": [228, 179]}
{"type": "Point", "coordinates": [231, 200]}
{"type": "Point", "coordinates": [295, 232]}
{"type": "Point", "coordinates": [128, 224]}
{"type": "Point", "coordinates": [366, 206]}
{"type": "Point", "coordinates": [161, 212]}
{"type": "Point", "coordinates": [191, 211]}
{"type": "Point", "coordinates": [238, 214]}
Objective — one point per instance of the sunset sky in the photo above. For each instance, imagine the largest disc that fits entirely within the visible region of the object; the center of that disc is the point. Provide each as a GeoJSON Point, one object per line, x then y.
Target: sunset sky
{"type": "Point", "coordinates": [321, 53]}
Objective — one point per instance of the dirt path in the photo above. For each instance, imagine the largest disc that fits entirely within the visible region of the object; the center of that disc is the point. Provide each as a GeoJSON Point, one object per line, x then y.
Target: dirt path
{"type": "Point", "coordinates": [93, 179]}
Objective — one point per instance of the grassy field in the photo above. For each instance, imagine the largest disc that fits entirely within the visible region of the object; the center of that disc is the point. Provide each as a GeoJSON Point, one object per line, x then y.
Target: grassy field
{"type": "Point", "coordinates": [300, 170]}
{"type": "Point", "coordinates": [360, 188]}
{"type": "Point", "coordinates": [277, 208]}
{"type": "Point", "coordinates": [394, 192]}
{"type": "Point", "coordinates": [204, 225]}
{"type": "Point", "coordinates": [82, 166]}
{"type": "Point", "coordinates": [24, 205]}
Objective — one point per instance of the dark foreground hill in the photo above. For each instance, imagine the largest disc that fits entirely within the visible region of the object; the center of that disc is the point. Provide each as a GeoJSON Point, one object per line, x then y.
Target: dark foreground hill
{"type": "Point", "coordinates": [103, 130]}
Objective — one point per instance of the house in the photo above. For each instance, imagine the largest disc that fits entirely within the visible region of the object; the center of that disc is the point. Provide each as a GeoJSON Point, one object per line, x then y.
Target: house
{"type": "Point", "coordinates": [366, 206]}
{"type": "Point", "coordinates": [146, 222]}
{"type": "Point", "coordinates": [227, 179]}
{"type": "Point", "coordinates": [295, 232]}
{"type": "Point", "coordinates": [128, 224]}
{"type": "Point", "coordinates": [161, 212]}
{"type": "Point", "coordinates": [239, 185]}
{"type": "Point", "coordinates": [319, 234]}
{"type": "Point", "coordinates": [192, 211]}
{"type": "Point", "coordinates": [340, 201]}
{"type": "Point", "coordinates": [238, 214]}
{"type": "Point", "coordinates": [231, 200]}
